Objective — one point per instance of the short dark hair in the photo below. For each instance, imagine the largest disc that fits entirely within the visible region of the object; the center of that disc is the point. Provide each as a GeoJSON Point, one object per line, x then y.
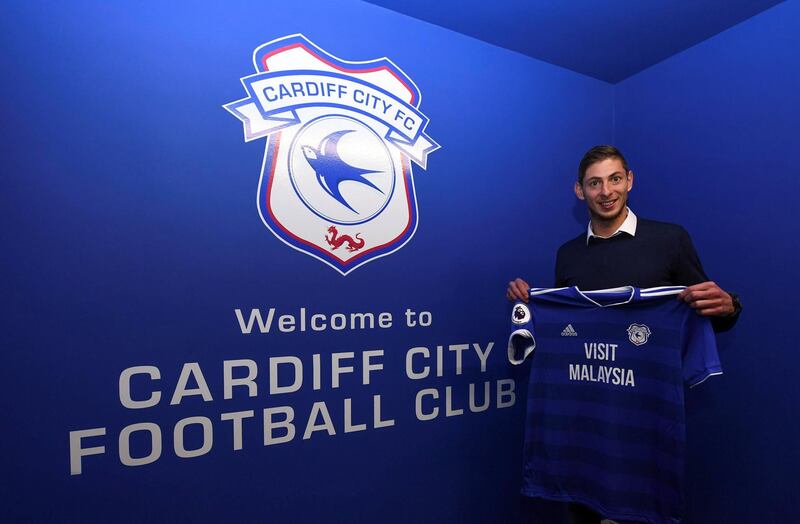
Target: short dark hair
{"type": "Point", "coordinates": [598, 154]}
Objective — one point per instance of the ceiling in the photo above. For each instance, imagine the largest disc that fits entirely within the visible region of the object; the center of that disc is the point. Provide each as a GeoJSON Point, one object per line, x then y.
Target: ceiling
{"type": "Point", "coordinates": [606, 39]}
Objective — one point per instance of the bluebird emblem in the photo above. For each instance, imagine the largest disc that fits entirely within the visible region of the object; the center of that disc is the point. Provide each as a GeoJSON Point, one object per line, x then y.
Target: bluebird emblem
{"type": "Point", "coordinates": [331, 170]}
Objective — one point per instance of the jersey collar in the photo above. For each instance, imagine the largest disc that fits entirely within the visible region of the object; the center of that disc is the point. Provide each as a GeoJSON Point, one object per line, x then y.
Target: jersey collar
{"type": "Point", "coordinates": [628, 226]}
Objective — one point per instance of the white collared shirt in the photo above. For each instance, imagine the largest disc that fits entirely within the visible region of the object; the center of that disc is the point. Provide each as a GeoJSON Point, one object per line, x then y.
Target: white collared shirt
{"type": "Point", "coordinates": [628, 226]}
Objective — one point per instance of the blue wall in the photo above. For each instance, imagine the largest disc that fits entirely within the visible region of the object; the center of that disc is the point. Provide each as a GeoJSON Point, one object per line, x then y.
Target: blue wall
{"type": "Point", "coordinates": [131, 235]}
{"type": "Point", "coordinates": [712, 135]}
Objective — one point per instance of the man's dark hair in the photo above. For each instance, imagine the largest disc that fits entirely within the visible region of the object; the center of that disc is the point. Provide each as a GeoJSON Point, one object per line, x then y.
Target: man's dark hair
{"type": "Point", "coordinates": [598, 154]}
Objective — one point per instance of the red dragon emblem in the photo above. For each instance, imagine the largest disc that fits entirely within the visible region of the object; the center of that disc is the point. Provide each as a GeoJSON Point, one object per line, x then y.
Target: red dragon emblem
{"type": "Point", "coordinates": [334, 240]}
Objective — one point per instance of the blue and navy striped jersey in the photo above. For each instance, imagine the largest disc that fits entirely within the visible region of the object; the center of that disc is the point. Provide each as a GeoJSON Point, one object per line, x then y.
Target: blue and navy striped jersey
{"type": "Point", "coordinates": [605, 411]}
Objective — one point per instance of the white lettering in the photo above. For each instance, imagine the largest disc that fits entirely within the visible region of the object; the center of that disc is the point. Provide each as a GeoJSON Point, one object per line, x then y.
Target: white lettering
{"type": "Point", "coordinates": [319, 408]}
{"type": "Point", "coordinates": [125, 387]}
{"type": "Point", "coordinates": [255, 316]}
{"type": "Point", "coordinates": [472, 405]}
{"type": "Point", "coordinates": [125, 443]}
{"type": "Point", "coordinates": [376, 411]}
{"type": "Point", "coordinates": [368, 366]}
{"type": "Point", "coordinates": [448, 402]}
{"type": "Point", "coordinates": [249, 381]}
{"type": "Point", "coordinates": [76, 452]}
{"type": "Point", "coordinates": [274, 387]}
{"type": "Point", "coordinates": [191, 369]}
{"type": "Point", "coordinates": [418, 404]}
{"type": "Point", "coordinates": [410, 373]}
{"type": "Point", "coordinates": [505, 389]}
{"type": "Point", "coordinates": [458, 348]}
{"type": "Point", "coordinates": [483, 354]}
{"type": "Point", "coordinates": [336, 369]}
{"type": "Point", "coordinates": [208, 437]}
{"type": "Point", "coordinates": [237, 417]}
{"type": "Point", "coordinates": [348, 418]}
{"type": "Point", "coordinates": [270, 425]}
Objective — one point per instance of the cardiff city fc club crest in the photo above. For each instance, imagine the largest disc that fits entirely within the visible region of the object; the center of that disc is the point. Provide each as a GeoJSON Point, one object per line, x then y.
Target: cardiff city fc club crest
{"type": "Point", "coordinates": [638, 334]}
{"type": "Point", "coordinates": [336, 181]}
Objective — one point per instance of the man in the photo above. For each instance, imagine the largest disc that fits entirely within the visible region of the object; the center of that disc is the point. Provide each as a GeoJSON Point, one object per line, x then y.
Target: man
{"type": "Point", "coordinates": [620, 249]}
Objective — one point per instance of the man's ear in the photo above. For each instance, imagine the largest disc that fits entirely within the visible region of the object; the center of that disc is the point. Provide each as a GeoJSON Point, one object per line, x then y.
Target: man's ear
{"type": "Point", "coordinates": [579, 190]}
{"type": "Point", "coordinates": [630, 180]}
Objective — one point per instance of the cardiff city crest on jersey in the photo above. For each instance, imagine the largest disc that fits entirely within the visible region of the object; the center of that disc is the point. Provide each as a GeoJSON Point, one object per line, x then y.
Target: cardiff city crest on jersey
{"type": "Point", "coordinates": [638, 334]}
{"type": "Point", "coordinates": [341, 136]}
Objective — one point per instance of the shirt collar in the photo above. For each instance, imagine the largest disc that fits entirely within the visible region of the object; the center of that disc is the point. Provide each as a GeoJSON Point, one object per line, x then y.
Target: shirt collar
{"type": "Point", "coordinates": [628, 226]}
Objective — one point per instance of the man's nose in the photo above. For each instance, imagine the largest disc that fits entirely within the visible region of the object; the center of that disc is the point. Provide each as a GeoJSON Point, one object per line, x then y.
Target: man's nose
{"type": "Point", "coordinates": [605, 189]}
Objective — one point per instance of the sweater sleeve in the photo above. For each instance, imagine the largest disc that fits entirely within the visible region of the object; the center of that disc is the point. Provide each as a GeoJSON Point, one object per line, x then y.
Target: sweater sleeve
{"type": "Point", "coordinates": [689, 271]}
{"type": "Point", "coordinates": [560, 280]}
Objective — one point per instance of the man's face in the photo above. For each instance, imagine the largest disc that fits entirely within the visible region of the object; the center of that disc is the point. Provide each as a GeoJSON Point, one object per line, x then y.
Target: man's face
{"type": "Point", "coordinates": [605, 189]}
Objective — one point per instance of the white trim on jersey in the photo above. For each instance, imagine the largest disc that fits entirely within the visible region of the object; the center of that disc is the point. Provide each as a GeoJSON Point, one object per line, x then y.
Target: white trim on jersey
{"type": "Point", "coordinates": [612, 290]}
{"type": "Point", "coordinates": [657, 291]}
{"type": "Point", "coordinates": [712, 374]}
{"type": "Point", "coordinates": [528, 350]}
{"type": "Point", "coordinates": [542, 290]}
{"type": "Point", "coordinates": [619, 289]}
{"type": "Point", "coordinates": [661, 291]}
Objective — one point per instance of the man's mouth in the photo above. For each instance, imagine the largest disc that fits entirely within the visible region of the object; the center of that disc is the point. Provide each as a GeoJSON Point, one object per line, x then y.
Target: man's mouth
{"type": "Point", "coordinates": [607, 205]}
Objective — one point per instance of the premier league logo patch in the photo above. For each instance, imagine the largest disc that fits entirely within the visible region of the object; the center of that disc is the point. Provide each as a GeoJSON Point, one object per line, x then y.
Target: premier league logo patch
{"type": "Point", "coordinates": [336, 181]}
{"type": "Point", "coordinates": [638, 334]}
{"type": "Point", "coordinates": [520, 314]}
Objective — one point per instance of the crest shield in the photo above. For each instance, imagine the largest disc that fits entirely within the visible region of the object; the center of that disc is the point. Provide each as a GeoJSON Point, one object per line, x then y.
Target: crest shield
{"type": "Point", "coordinates": [336, 181]}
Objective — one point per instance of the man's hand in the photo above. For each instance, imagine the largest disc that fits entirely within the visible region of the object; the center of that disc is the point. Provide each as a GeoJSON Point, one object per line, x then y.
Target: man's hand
{"type": "Point", "coordinates": [708, 299]}
{"type": "Point", "coordinates": [518, 290]}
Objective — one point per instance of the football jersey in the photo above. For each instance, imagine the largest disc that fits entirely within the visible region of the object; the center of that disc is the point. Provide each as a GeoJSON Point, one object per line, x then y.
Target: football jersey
{"type": "Point", "coordinates": [605, 411]}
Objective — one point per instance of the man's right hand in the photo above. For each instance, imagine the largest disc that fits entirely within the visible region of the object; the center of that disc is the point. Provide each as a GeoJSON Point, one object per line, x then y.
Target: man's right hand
{"type": "Point", "coordinates": [518, 290]}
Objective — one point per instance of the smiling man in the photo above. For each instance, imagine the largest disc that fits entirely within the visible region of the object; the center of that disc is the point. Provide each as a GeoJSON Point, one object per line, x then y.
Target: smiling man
{"type": "Point", "coordinates": [620, 249]}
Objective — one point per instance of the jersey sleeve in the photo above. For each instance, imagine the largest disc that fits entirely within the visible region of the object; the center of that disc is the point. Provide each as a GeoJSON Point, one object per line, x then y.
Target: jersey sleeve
{"type": "Point", "coordinates": [700, 357]}
{"type": "Point", "coordinates": [521, 342]}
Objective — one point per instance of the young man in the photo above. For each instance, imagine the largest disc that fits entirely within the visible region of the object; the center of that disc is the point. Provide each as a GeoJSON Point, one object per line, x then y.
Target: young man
{"type": "Point", "coordinates": [620, 249]}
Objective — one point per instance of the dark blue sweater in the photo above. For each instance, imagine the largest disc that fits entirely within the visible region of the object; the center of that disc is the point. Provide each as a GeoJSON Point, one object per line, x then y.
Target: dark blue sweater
{"type": "Point", "coordinates": [660, 254]}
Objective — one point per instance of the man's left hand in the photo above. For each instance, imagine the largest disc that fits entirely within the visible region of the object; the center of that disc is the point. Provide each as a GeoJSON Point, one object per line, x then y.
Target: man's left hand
{"type": "Point", "coordinates": [708, 299]}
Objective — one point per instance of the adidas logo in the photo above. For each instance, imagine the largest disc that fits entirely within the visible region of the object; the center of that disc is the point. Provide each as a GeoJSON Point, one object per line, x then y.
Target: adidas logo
{"type": "Point", "coordinates": [569, 331]}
